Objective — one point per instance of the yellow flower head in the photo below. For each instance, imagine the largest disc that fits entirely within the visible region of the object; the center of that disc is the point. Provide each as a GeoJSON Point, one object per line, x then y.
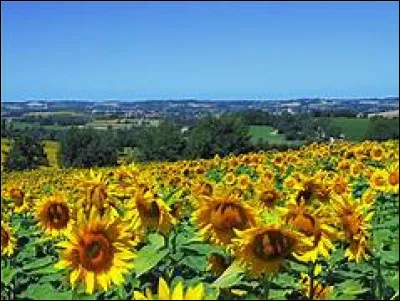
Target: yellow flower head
{"type": "Point", "coordinates": [98, 251]}
{"type": "Point", "coordinates": [354, 221]}
{"type": "Point", "coordinates": [151, 210]}
{"type": "Point", "coordinates": [264, 249]}
{"type": "Point", "coordinates": [93, 191]}
{"type": "Point", "coordinates": [393, 178]}
{"type": "Point", "coordinates": [377, 153]}
{"type": "Point", "coordinates": [318, 291]}
{"type": "Point", "coordinates": [19, 197]}
{"type": "Point", "coordinates": [177, 293]}
{"type": "Point", "coordinates": [379, 180]}
{"type": "Point", "coordinates": [267, 196]}
{"type": "Point", "coordinates": [8, 240]}
{"type": "Point", "coordinates": [53, 214]}
{"type": "Point", "coordinates": [315, 226]}
{"type": "Point", "coordinates": [218, 215]}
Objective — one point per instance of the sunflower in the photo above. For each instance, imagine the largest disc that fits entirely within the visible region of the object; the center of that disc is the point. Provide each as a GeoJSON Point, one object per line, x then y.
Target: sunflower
{"type": "Point", "coordinates": [354, 222]}
{"type": "Point", "coordinates": [219, 214]}
{"type": "Point", "coordinates": [340, 185]}
{"type": "Point", "coordinates": [98, 251]}
{"type": "Point", "coordinates": [279, 160]}
{"type": "Point", "coordinates": [359, 152]}
{"type": "Point", "coordinates": [265, 248]}
{"type": "Point", "coordinates": [393, 178]}
{"type": "Point", "coordinates": [20, 199]}
{"type": "Point", "coordinates": [356, 169]}
{"type": "Point", "coordinates": [8, 240]}
{"type": "Point", "coordinates": [230, 178]}
{"type": "Point", "coordinates": [203, 188]}
{"type": "Point", "coordinates": [377, 153]}
{"type": "Point", "coordinates": [307, 192]}
{"type": "Point", "coordinates": [266, 175]}
{"type": "Point", "coordinates": [267, 196]}
{"type": "Point", "coordinates": [243, 181]}
{"type": "Point", "coordinates": [94, 192]}
{"type": "Point", "coordinates": [314, 225]}
{"type": "Point", "coordinates": [319, 291]}
{"type": "Point", "coordinates": [53, 214]}
{"type": "Point", "coordinates": [125, 177]}
{"type": "Point", "coordinates": [343, 165]}
{"type": "Point", "coordinates": [379, 180]}
{"type": "Point", "coordinates": [368, 196]}
{"type": "Point", "coordinates": [152, 211]}
{"type": "Point", "coordinates": [177, 293]}
{"type": "Point", "coordinates": [217, 264]}
{"type": "Point", "coordinates": [294, 181]}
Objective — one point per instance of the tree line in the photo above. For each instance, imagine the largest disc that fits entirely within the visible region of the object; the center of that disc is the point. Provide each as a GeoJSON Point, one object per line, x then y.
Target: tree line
{"type": "Point", "coordinates": [172, 140]}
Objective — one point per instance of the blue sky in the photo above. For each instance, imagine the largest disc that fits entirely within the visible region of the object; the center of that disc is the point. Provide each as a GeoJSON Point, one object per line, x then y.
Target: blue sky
{"type": "Point", "coordinates": [203, 50]}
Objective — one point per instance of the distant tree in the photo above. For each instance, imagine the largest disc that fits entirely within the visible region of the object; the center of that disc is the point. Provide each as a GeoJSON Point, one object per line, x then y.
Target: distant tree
{"type": "Point", "coordinates": [162, 143]}
{"type": "Point", "coordinates": [382, 129]}
{"type": "Point", "coordinates": [88, 147]}
{"type": "Point", "coordinates": [25, 153]}
{"type": "Point", "coordinates": [4, 132]}
{"type": "Point", "coordinates": [225, 135]}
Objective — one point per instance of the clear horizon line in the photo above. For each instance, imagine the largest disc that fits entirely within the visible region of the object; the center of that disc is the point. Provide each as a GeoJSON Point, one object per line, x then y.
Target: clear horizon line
{"type": "Point", "coordinates": [200, 99]}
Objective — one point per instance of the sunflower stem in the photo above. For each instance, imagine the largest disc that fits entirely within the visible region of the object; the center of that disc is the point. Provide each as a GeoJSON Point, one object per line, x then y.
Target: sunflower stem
{"type": "Point", "coordinates": [267, 285]}
{"type": "Point", "coordinates": [379, 278]}
{"type": "Point", "coordinates": [311, 275]}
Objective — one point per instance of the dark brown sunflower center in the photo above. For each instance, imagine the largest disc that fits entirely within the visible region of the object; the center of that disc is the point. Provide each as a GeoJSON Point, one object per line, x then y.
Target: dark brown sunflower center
{"type": "Point", "coordinates": [58, 215]}
{"type": "Point", "coordinates": [379, 181]}
{"type": "Point", "coordinates": [307, 192]}
{"type": "Point", "coordinates": [207, 189]}
{"type": "Point", "coordinates": [5, 238]}
{"type": "Point", "coordinates": [323, 193]}
{"type": "Point", "coordinates": [18, 196]}
{"type": "Point", "coordinates": [98, 195]}
{"type": "Point", "coordinates": [351, 225]}
{"type": "Point", "coordinates": [149, 210]}
{"type": "Point", "coordinates": [268, 198]}
{"type": "Point", "coordinates": [228, 216]}
{"type": "Point", "coordinates": [176, 210]}
{"type": "Point", "coordinates": [340, 187]}
{"type": "Point", "coordinates": [305, 223]}
{"type": "Point", "coordinates": [378, 153]}
{"type": "Point", "coordinates": [199, 170]}
{"type": "Point", "coordinates": [218, 263]}
{"type": "Point", "coordinates": [96, 252]}
{"type": "Point", "coordinates": [272, 245]}
{"type": "Point", "coordinates": [394, 178]}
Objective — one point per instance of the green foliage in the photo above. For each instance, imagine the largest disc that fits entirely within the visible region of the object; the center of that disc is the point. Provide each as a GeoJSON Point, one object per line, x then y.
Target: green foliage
{"type": "Point", "coordinates": [354, 129]}
{"type": "Point", "coordinates": [232, 275]}
{"type": "Point", "coordinates": [87, 148]}
{"type": "Point", "coordinates": [162, 143]}
{"type": "Point", "coordinates": [25, 153]}
{"type": "Point", "coordinates": [382, 129]}
{"type": "Point", "coordinates": [225, 135]}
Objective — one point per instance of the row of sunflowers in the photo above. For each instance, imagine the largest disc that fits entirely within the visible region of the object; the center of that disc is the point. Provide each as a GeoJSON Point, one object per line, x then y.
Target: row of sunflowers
{"type": "Point", "coordinates": [320, 222]}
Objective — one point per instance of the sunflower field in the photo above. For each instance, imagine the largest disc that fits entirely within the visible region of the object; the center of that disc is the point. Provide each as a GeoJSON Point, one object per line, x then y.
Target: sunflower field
{"type": "Point", "coordinates": [321, 222]}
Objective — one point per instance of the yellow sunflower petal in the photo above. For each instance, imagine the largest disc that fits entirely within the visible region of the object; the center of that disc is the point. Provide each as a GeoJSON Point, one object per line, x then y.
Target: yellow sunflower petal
{"type": "Point", "coordinates": [163, 290]}
{"type": "Point", "coordinates": [177, 293]}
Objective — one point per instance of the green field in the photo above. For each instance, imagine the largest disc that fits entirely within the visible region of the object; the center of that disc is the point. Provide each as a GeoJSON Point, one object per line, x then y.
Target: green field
{"type": "Point", "coordinates": [22, 125]}
{"type": "Point", "coordinates": [353, 128]}
{"type": "Point", "coordinates": [269, 134]}
{"type": "Point", "coordinates": [55, 113]}
{"type": "Point", "coordinates": [102, 124]}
